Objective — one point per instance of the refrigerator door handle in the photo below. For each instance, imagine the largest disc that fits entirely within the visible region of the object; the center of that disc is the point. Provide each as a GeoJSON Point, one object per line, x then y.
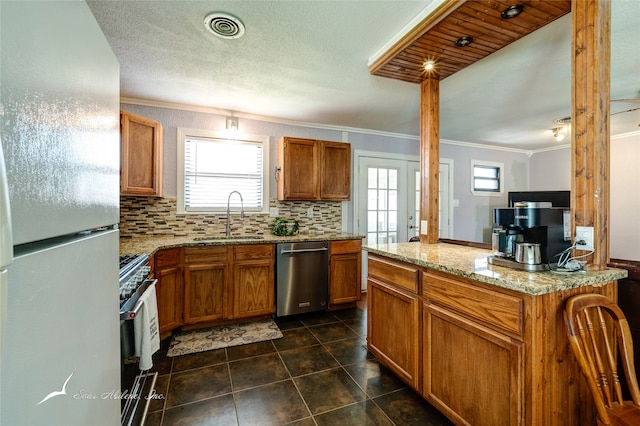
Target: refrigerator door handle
{"type": "Point", "coordinates": [6, 235]}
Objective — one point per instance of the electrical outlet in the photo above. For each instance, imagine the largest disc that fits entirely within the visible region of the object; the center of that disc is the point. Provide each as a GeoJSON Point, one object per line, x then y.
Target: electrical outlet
{"type": "Point", "coordinates": [273, 212]}
{"type": "Point", "coordinates": [584, 233]}
{"type": "Point", "coordinates": [310, 212]}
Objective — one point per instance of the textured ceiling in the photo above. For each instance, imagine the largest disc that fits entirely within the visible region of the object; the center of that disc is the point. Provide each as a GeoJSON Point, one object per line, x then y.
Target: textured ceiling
{"type": "Point", "coordinates": [307, 61]}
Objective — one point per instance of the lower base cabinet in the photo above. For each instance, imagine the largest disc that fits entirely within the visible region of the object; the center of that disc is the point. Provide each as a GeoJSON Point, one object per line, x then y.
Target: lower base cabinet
{"type": "Point", "coordinates": [471, 373]}
{"type": "Point", "coordinates": [253, 278]}
{"type": "Point", "coordinates": [168, 272]}
{"type": "Point", "coordinates": [345, 266]}
{"type": "Point", "coordinates": [206, 284]}
{"type": "Point", "coordinates": [482, 355]}
{"type": "Point", "coordinates": [393, 333]}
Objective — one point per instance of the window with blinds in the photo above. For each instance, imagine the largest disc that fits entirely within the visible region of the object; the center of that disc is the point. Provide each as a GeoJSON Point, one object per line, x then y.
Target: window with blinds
{"type": "Point", "coordinates": [486, 178]}
{"type": "Point", "coordinates": [214, 167]}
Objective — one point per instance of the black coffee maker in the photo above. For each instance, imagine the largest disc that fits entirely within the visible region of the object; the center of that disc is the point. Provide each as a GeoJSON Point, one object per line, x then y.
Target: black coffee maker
{"type": "Point", "coordinates": [530, 223]}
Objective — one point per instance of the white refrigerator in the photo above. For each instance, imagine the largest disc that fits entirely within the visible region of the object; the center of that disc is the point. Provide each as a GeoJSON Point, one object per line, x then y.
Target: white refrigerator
{"type": "Point", "coordinates": [59, 195]}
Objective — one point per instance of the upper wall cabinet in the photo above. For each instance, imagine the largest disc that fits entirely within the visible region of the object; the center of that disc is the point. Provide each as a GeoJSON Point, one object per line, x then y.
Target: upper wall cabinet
{"type": "Point", "coordinates": [141, 156]}
{"type": "Point", "coordinates": [313, 170]}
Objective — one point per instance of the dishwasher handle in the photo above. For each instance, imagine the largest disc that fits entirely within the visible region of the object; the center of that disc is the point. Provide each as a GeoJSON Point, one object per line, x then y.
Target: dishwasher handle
{"type": "Point", "coordinates": [303, 250]}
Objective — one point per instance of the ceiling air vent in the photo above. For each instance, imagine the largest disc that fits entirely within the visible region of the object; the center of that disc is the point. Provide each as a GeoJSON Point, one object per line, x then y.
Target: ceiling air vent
{"type": "Point", "coordinates": [224, 25]}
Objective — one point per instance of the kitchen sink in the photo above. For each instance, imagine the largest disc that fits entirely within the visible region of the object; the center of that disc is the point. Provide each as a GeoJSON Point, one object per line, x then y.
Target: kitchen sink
{"type": "Point", "coordinates": [228, 237]}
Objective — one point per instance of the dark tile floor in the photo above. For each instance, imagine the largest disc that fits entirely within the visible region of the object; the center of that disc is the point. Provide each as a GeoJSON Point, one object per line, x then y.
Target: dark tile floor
{"type": "Point", "coordinates": [319, 373]}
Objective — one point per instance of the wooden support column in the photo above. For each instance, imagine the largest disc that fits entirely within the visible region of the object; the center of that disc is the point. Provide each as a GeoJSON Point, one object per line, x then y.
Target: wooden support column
{"type": "Point", "coordinates": [429, 158]}
{"type": "Point", "coordinates": [590, 162]}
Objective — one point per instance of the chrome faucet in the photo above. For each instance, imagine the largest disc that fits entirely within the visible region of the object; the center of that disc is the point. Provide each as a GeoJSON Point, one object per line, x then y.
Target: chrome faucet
{"type": "Point", "coordinates": [229, 211]}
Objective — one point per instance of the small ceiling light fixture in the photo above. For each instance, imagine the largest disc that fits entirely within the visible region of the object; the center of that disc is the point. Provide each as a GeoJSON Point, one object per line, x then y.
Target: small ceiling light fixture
{"type": "Point", "coordinates": [232, 123]}
{"type": "Point", "coordinates": [224, 25]}
{"type": "Point", "coordinates": [512, 11]}
{"type": "Point", "coordinates": [464, 41]}
{"type": "Point", "coordinates": [558, 133]}
{"type": "Point", "coordinates": [429, 65]}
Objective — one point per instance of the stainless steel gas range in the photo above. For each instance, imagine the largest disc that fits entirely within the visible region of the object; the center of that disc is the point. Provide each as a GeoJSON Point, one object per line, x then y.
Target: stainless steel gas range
{"type": "Point", "coordinates": [134, 281]}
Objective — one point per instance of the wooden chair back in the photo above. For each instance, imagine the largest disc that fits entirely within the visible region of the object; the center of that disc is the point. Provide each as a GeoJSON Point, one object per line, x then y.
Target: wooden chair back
{"type": "Point", "coordinates": [599, 336]}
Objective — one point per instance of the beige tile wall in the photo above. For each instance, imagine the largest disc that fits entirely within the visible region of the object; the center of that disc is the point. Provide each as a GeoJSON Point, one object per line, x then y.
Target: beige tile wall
{"type": "Point", "coordinates": [149, 216]}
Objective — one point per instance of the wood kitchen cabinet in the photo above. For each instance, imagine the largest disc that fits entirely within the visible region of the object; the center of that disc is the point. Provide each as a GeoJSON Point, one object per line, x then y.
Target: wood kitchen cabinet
{"type": "Point", "coordinates": [141, 156]}
{"type": "Point", "coordinates": [473, 351]}
{"type": "Point", "coordinates": [335, 170]}
{"type": "Point", "coordinates": [168, 272]}
{"type": "Point", "coordinates": [206, 284]}
{"type": "Point", "coordinates": [393, 318]}
{"type": "Point", "coordinates": [481, 354]}
{"type": "Point", "coordinates": [345, 266]}
{"type": "Point", "coordinates": [313, 170]}
{"type": "Point", "coordinates": [253, 280]}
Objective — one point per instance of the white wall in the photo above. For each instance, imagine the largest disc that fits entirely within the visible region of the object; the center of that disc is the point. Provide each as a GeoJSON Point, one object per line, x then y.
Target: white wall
{"type": "Point", "coordinates": [624, 216]}
{"type": "Point", "coordinates": [473, 218]}
{"type": "Point", "coordinates": [550, 170]}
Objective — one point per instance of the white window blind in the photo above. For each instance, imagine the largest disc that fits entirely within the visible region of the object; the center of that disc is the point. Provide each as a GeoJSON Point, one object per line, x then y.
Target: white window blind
{"type": "Point", "coordinates": [214, 167]}
{"type": "Point", "coordinates": [486, 178]}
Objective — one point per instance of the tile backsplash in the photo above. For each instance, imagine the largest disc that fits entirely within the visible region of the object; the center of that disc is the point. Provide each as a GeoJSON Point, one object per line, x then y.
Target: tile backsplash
{"type": "Point", "coordinates": [149, 216]}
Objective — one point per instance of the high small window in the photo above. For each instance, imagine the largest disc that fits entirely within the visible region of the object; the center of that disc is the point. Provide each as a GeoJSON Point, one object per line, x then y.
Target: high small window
{"type": "Point", "coordinates": [211, 166]}
{"type": "Point", "coordinates": [486, 178]}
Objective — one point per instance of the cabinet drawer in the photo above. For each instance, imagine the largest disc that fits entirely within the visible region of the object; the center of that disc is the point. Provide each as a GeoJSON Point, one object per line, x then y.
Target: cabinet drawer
{"type": "Point", "coordinates": [167, 257]}
{"type": "Point", "coordinates": [253, 251]}
{"type": "Point", "coordinates": [501, 311]}
{"type": "Point", "coordinates": [401, 274]}
{"type": "Point", "coordinates": [205, 254]}
{"type": "Point", "coordinates": [346, 246]}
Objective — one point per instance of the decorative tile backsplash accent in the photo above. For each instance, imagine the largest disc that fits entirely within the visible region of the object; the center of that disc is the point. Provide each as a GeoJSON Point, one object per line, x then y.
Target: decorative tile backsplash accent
{"type": "Point", "coordinates": [149, 216]}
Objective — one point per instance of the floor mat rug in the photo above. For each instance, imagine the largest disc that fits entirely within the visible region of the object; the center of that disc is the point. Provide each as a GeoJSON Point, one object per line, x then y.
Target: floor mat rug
{"type": "Point", "coordinates": [188, 342]}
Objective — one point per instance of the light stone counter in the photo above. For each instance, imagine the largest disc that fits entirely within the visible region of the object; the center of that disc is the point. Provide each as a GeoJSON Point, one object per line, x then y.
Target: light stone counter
{"type": "Point", "coordinates": [149, 245]}
{"type": "Point", "coordinates": [469, 262]}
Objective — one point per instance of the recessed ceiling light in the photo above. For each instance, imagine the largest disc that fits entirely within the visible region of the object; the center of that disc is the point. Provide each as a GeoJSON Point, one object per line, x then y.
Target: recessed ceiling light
{"type": "Point", "coordinates": [512, 11]}
{"type": "Point", "coordinates": [464, 41]}
{"type": "Point", "coordinates": [429, 65]}
{"type": "Point", "coordinates": [224, 25]}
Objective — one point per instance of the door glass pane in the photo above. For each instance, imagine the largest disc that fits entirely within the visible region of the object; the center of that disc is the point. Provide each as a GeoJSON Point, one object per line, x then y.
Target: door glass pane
{"type": "Point", "coordinates": [393, 179]}
{"type": "Point", "coordinates": [382, 178]}
{"type": "Point", "coordinates": [382, 214]}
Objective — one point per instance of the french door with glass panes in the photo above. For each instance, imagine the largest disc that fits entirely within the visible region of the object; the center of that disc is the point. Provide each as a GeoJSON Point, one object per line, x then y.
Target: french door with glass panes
{"type": "Point", "coordinates": [390, 190]}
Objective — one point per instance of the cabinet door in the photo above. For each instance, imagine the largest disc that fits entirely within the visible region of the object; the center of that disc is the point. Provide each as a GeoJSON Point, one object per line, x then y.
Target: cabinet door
{"type": "Point", "coordinates": [393, 330]}
{"type": "Point", "coordinates": [335, 171]}
{"type": "Point", "coordinates": [253, 288]}
{"type": "Point", "coordinates": [141, 156]}
{"type": "Point", "coordinates": [344, 278]}
{"type": "Point", "coordinates": [298, 163]}
{"type": "Point", "coordinates": [168, 294]}
{"type": "Point", "coordinates": [471, 373]}
{"type": "Point", "coordinates": [204, 290]}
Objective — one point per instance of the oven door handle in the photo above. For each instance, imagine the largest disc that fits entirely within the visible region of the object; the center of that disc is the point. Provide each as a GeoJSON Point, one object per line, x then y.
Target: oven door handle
{"type": "Point", "coordinates": [129, 315]}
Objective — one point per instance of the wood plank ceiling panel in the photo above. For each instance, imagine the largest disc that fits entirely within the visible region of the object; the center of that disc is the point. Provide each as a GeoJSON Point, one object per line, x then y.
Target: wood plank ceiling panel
{"type": "Point", "coordinates": [480, 19]}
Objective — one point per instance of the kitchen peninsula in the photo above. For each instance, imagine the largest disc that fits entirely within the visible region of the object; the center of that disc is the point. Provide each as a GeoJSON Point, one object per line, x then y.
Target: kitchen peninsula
{"type": "Point", "coordinates": [486, 345]}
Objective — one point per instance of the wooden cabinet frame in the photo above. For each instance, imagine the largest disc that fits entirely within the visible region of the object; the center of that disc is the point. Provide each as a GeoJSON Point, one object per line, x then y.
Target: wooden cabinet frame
{"type": "Point", "coordinates": [141, 165]}
{"type": "Point", "coordinates": [345, 272]}
{"type": "Point", "coordinates": [313, 170]}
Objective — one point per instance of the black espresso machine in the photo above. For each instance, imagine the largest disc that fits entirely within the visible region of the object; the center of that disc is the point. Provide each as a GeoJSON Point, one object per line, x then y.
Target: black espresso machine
{"type": "Point", "coordinates": [530, 235]}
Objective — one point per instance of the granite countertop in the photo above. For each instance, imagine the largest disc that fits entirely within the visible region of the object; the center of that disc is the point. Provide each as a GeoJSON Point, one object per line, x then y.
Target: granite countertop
{"type": "Point", "coordinates": [149, 245]}
{"type": "Point", "coordinates": [470, 262]}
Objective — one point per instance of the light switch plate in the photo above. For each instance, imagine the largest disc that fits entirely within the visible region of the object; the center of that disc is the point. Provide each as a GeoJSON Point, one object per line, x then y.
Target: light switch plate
{"type": "Point", "coordinates": [274, 212]}
{"type": "Point", "coordinates": [423, 227]}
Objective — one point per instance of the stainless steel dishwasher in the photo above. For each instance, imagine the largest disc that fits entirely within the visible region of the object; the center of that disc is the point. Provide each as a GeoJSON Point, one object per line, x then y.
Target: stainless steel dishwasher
{"type": "Point", "coordinates": [302, 277]}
